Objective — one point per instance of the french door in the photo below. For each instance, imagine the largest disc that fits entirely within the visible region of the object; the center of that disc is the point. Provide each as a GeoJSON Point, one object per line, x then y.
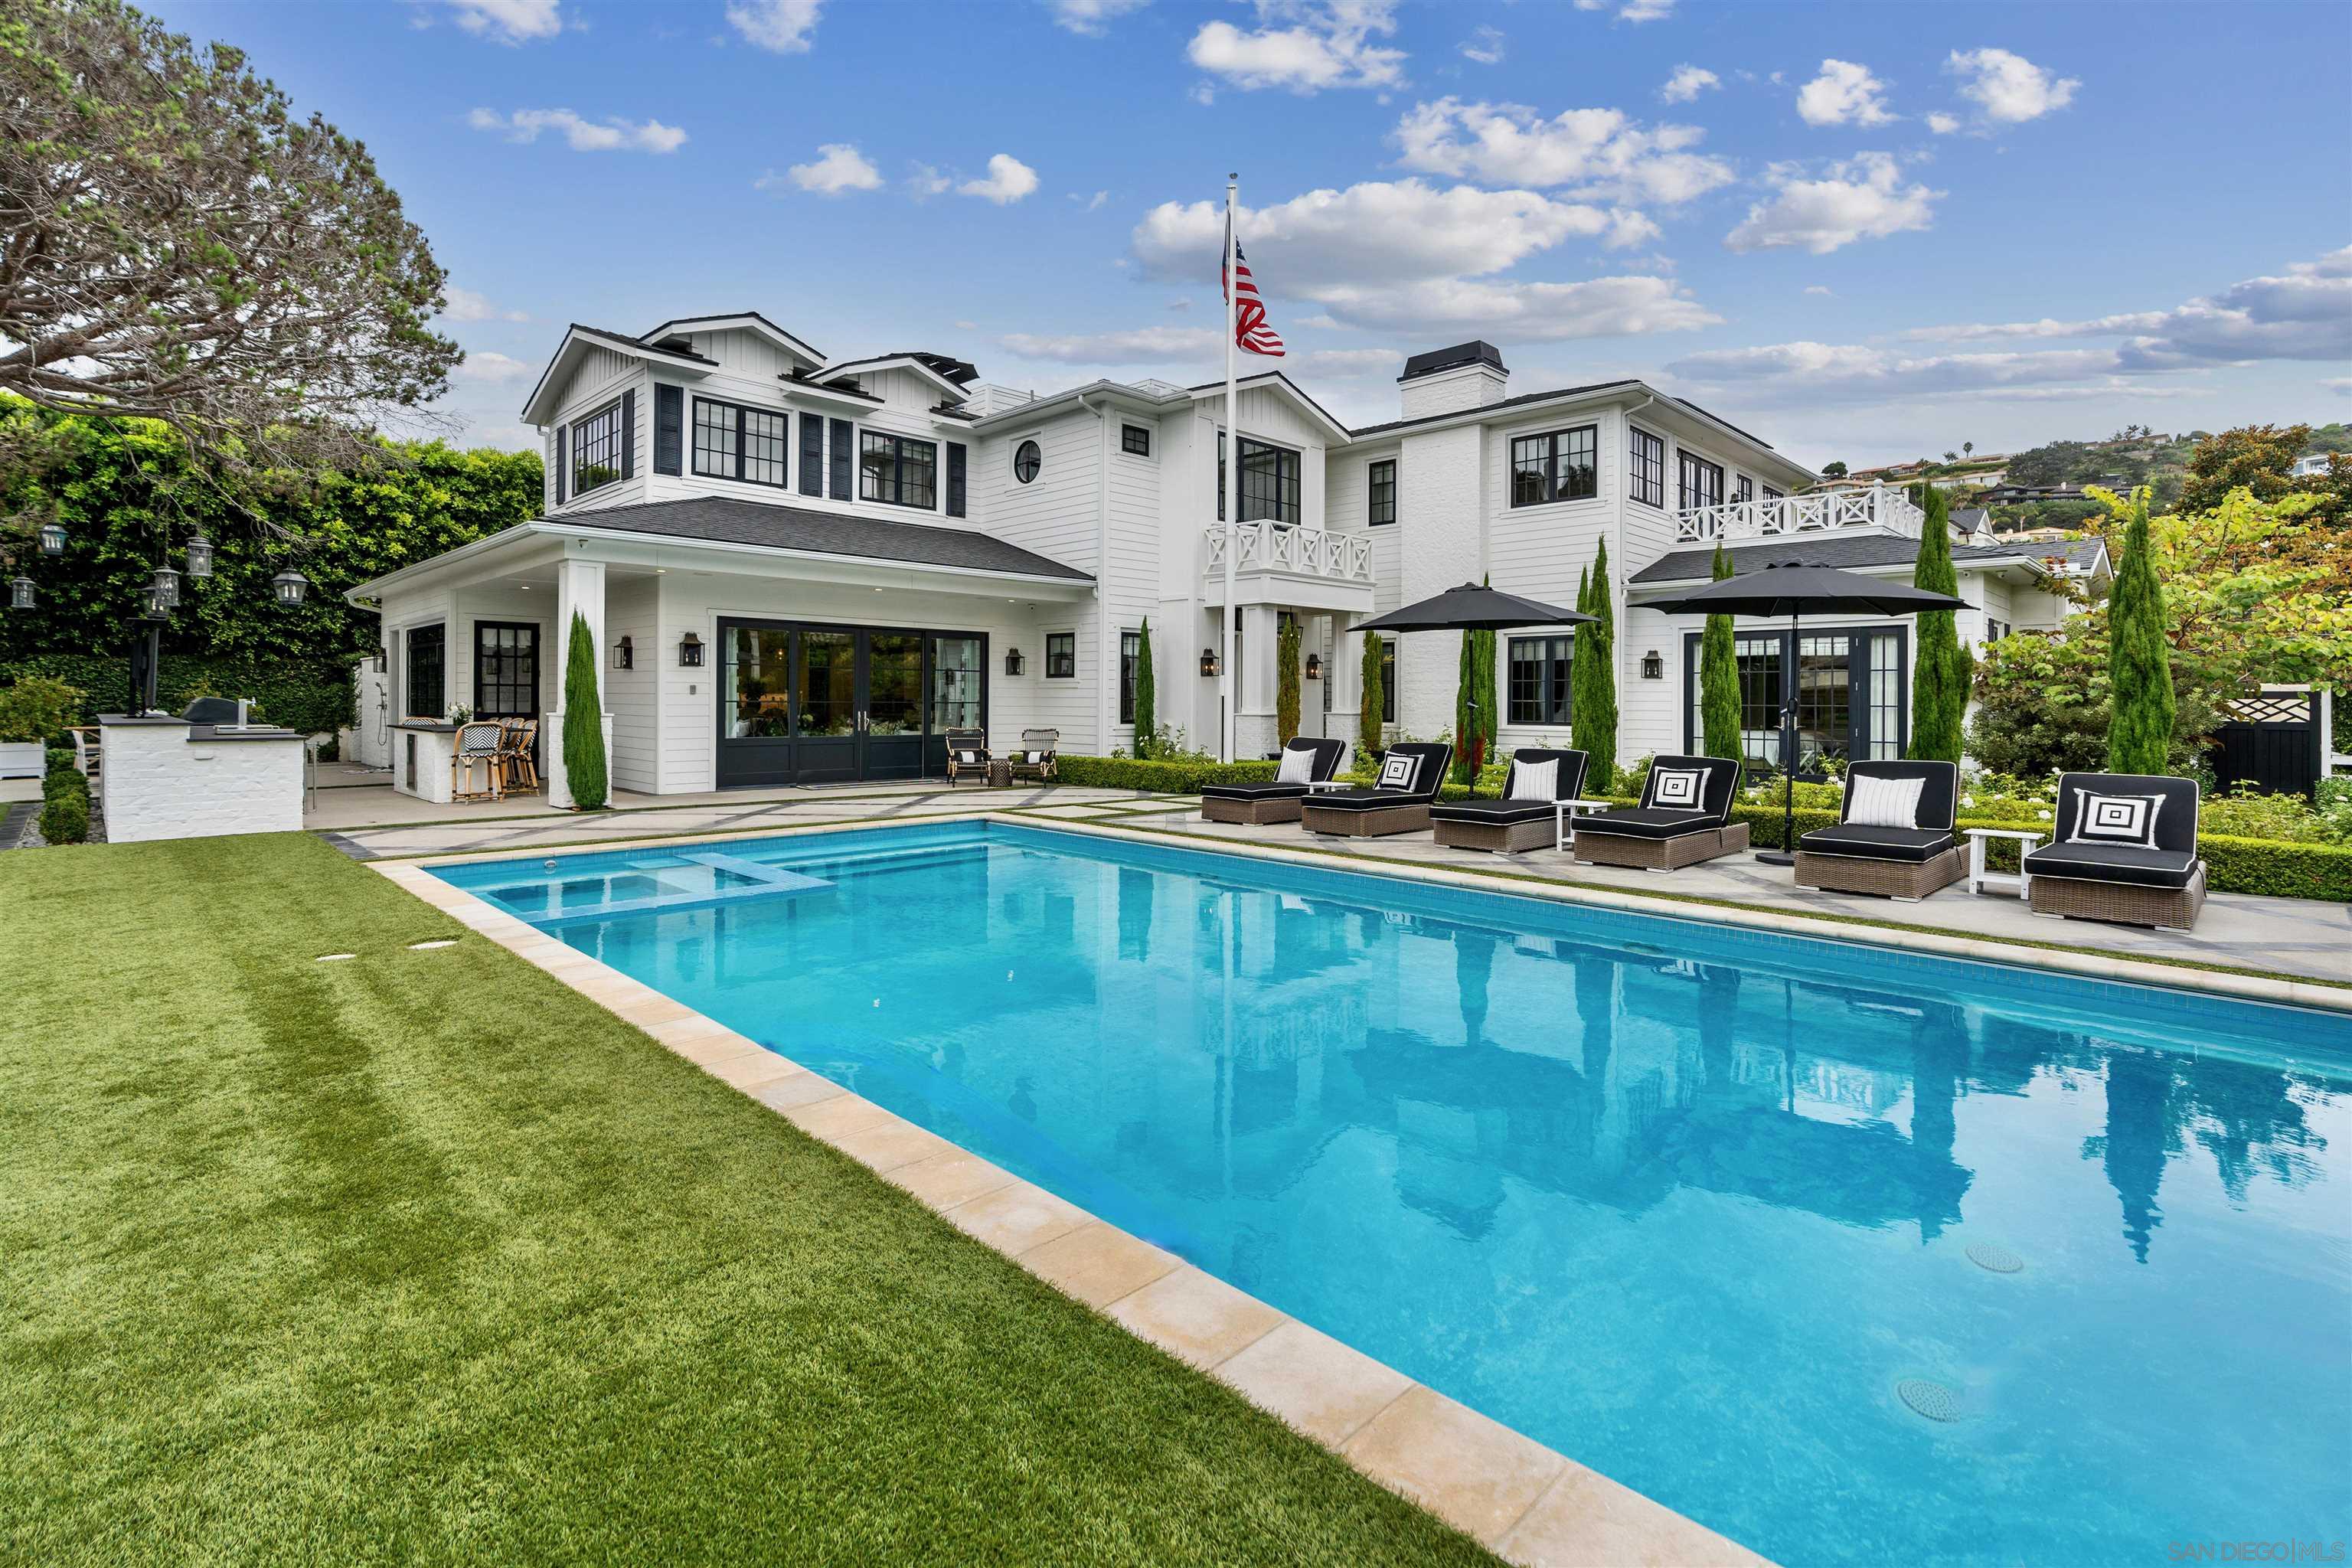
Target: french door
{"type": "Point", "coordinates": [1848, 689]}
{"type": "Point", "coordinates": [813, 704]}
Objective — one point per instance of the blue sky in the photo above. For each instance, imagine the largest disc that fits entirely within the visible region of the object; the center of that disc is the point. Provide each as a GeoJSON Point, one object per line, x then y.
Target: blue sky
{"type": "Point", "coordinates": [1868, 232]}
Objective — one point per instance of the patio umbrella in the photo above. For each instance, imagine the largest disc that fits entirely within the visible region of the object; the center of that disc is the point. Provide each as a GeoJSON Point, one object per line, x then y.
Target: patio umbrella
{"type": "Point", "coordinates": [1472, 608]}
{"type": "Point", "coordinates": [1793, 589]}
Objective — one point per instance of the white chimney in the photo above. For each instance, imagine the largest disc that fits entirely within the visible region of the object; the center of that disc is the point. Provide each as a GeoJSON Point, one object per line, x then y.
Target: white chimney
{"type": "Point", "coordinates": [1450, 380]}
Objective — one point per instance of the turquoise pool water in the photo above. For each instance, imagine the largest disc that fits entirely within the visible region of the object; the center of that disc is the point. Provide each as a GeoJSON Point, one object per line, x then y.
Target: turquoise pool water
{"type": "Point", "coordinates": [1689, 1205]}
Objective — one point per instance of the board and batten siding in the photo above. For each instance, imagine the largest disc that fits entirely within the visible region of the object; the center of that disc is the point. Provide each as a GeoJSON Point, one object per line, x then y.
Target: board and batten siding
{"type": "Point", "coordinates": [602, 376]}
{"type": "Point", "coordinates": [1056, 515]}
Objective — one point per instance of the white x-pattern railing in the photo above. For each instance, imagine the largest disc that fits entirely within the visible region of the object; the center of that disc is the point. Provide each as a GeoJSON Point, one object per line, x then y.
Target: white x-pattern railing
{"type": "Point", "coordinates": [1264, 545]}
{"type": "Point", "coordinates": [1875, 507]}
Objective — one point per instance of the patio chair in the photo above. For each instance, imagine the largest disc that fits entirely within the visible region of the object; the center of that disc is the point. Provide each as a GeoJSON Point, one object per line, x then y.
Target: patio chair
{"type": "Point", "coordinates": [967, 755]}
{"type": "Point", "coordinates": [478, 742]}
{"type": "Point", "coordinates": [2122, 847]}
{"type": "Point", "coordinates": [1304, 761]}
{"type": "Point", "coordinates": [1034, 760]}
{"type": "Point", "coordinates": [518, 761]}
{"type": "Point", "coordinates": [1397, 803]}
{"type": "Point", "coordinates": [1525, 817]}
{"type": "Point", "coordinates": [1894, 837]}
{"type": "Point", "coordinates": [1683, 817]}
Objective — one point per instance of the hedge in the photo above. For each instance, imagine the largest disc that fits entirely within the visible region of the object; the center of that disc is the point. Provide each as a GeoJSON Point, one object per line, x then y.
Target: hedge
{"type": "Point", "coordinates": [1159, 777]}
{"type": "Point", "coordinates": [64, 799]}
{"type": "Point", "coordinates": [311, 697]}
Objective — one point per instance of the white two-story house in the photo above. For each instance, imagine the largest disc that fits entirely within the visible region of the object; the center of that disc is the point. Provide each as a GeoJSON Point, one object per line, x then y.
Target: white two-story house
{"type": "Point", "coordinates": [797, 568]}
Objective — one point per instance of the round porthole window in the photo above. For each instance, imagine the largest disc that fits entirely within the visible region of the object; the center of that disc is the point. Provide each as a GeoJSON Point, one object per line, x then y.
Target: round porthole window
{"type": "Point", "coordinates": [1026, 461]}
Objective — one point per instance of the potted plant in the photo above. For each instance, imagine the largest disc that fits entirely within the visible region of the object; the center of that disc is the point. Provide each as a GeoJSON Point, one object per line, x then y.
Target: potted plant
{"type": "Point", "coordinates": [32, 712]}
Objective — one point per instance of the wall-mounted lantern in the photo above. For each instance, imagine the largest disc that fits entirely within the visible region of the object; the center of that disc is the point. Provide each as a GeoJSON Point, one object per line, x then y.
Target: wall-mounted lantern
{"type": "Point", "coordinates": [20, 592]}
{"type": "Point", "coordinates": [624, 655]}
{"type": "Point", "coordinates": [200, 555]}
{"type": "Point", "coordinates": [290, 586]}
{"type": "Point", "coordinates": [1314, 666]}
{"type": "Point", "coordinates": [1012, 662]}
{"type": "Point", "coordinates": [1653, 666]}
{"type": "Point", "coordinates": [1208, 662]}
{"type": "Point", "coordinates": [689, 652]}
{"type": "Point", "coordinates": [53, 539]}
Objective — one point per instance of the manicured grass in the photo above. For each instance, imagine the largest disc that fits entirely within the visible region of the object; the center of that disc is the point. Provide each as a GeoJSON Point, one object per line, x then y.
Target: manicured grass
{"type": "Point", "coordinates": [423, 1256]}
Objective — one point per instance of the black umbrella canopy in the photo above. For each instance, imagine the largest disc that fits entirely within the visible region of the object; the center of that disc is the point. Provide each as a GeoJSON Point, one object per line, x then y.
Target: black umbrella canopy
{"type": "Point", "coordinates": [1790, 589]}
{"type": "Point", "coordinates": [1471, 609]}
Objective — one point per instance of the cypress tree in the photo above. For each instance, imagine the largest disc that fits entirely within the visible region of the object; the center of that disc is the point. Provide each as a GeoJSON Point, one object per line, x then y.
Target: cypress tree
{"type": "Point", "coordinates": [1940, 668]}
{"type": "Point", "coordinates": [1718, 678]}
{"type": "Point", "coordinates": [1370, 735]}
{"type": "Point", "coordinates": [1465, 711]}
{"type": "Point", "coordinates": [1286, 679]}
{"type": "Point", "coordinates": [1594, 677]}
{"type": "Point", "coordinates": [2139, 668]}
{"type": "Point", "coordinates": [584, 720]}
{"type": "Point", "coordinates": [1147, 696]}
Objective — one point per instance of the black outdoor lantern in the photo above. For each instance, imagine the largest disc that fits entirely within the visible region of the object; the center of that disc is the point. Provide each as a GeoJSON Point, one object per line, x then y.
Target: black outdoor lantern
{"type": "Point", "coordinates": [689, 652]}
{"type": "Point", "coordinates": [624, 656]}
{"type": "Point", "coordinates": [20, 592]}
{"type": "Point", "coordinates": [290, 586]}
{"type": "Point", "coordinates": [164, 592]}
{"type": "Point", "coordinates": [200, 555]}
{"type": "Point", "coordinates": [53, 539]}
{"type": "Point", "coordinates": [1314, 666]}
{"type": "Point", "coordinates": [1653, 666]}
{"type": "Point", "coordinates": [1208, 662]}
{"type": "Point", "coordinates": [1012, 662]}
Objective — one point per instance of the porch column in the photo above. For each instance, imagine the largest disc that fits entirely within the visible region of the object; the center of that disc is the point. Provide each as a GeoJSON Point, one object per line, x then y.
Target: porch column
{"type": "Point", "coordinates": [1344, 669]}
{"type": "Point", "coordinates": [1254, 734]}
{"type": "Point", "coordinates": [579, 590]}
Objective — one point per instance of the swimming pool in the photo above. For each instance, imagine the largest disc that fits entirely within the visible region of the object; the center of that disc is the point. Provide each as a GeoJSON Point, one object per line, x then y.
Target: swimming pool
{"type": "Point", "coordinates": [1849, 1253]}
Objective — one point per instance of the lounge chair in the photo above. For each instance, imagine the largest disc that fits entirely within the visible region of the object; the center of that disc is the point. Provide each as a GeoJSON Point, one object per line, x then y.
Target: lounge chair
{"type": "Point", "coordinates": [1398, 803]}
{"type": "Point", "coordinates": [1683, 817]}
{"type": "Point", "coordinates": [967, 755]}
{"type": "Point", "coordinates": [1304, 761]}
{"type": "Point", "coordinates": [1884, 843]}
{"type": "Point", "coordinates": [2122, 847]}
{"type": "Point", "coordinates": [1525, 817]}
{"type": "Point", "coordinates": [1034, 760]}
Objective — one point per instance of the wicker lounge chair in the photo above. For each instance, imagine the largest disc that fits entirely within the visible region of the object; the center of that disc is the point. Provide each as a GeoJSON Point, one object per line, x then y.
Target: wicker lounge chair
{"type": "Point", "coordinates": [1034, 760]}
{"type": "Point", "coordinates": [1518, 821]}
{"type": "Point", "coordinates": [1889, 859]}
{"type": "Point", "coordinates": [2122, 847]}
{"type": "Point", "coordinates": [1277, 802]}
{"type": "Point", "coordinates": [1399, 803]}
{"type": "Point", "coordinates": [967, 755]}
{"type": "Point", "coordinates": [1683, 817]}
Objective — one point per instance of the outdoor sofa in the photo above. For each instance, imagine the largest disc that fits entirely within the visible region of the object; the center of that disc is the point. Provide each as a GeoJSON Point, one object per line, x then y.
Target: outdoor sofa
{"type": "Point", "coordinates": [1683, 817]}
{"type": "Point", "coordinates": [1895, 833]}
{"type": "Point", "coordinates": [1304, 761]}
{"type": "Point", "coordinates": [1525, 817]}
{"type": "Point", "coordinates": [2122, 847]}
{"type": "Point", "coordinates": [1398, 803]}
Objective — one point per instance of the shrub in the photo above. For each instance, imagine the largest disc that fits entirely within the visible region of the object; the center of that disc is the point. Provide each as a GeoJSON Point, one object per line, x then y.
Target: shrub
{"type": "Point", "coordinates": [2283, 818]}
{"type": "Point", "coordinates": [1593, 675]}
{"type": "Point", "coordinates": [584, 720]}
{"type": "Point", "coordinates": [1162, 776]}
{"type": "Point", "coordinates": [1147, 696]}
{"type": "Point", "coordinates": [310, 696]}
{"type": "Point", "coordinates": [1371, 734]}
{"type": "Point", "coordinates": [1718, 678]}
{"type": "Point", "coordinates": [37, 708]}
{"type": "Point", "coordinates": [1285, 688]}
{"type": "Point", "coordinates": [64, 799]}
{"type": "Point", "coordinates": [2139, 666]}
{"type": "Point", "coordinates": [1939, 679]}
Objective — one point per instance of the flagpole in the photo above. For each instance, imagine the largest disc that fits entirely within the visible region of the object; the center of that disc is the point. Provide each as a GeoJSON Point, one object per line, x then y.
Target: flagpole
{"type": "Point", "coordinates": [1233, 476]}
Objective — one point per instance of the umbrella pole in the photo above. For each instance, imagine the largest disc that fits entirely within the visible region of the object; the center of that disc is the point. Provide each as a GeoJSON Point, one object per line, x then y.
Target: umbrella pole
{"type": "Point", "coordinates": [1786, 854]}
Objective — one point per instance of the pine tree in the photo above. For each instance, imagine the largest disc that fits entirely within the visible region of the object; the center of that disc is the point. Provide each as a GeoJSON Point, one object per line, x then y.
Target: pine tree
{"type": "Point", "coordinates": [2139, 668]}
{"type": "Point", "coordinates": [1941, 668]}
{"type": "Point", "coordinates": [1286, 681]}
{"type": "Point", "coordinates": [1371, 734]}
{"type": "Point", "coordinates": [1594, 675]}
{"type": "Point", "coordinates": [584, 720]}
{"type": "Point", "coordinates": [1147, 696]}
{"type": "Point", "coordinates": [1718, 678]}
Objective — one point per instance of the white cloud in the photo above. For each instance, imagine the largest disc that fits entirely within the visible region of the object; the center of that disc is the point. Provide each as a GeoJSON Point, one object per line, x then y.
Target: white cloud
{"type": "Point", "coordinates": [1325, 44]}
{"type": "Point", "coordinates": [612, 134]}
{"type": "Point", "coordinates": [837, 168]}
{"type": "Point", "coordinates": [1820, 289]}
{"type": "Point", "coordinates": [782, 26]}
{"type": "Point", "coordinates": [2009, 89]}
{"type": "Point", "coordinates": [1862, 199]}
{"type": "Point", "coordinates": [1943, 124]}
{"type": "Point", "coordinates": [1687, 83]}
{"type": "Point", "coordinates": [1855, 370]}
{"type": "Point", "coordinates": [481, 365]}
{"type": "Point", "coordinates": [1599, 151]}
{"type": "Point", "coordinates": [1009, 179]}
{"type": "Point", "coordinates": [1527, 312]}
{"type": "Point", "coordinates": [465, 305]}
{"type": "Point", "coordinates": [926, 182]}
{"type": "Point", "coordinates": [1091, 17]}
{"type": "Point", "coordinates": [967, 326]}
{"type": "Point", "coordinates": [1485, 45]}
{"type": "Point", "coordinates": [1180, 304]}
{"type": "Point", "coordinates": [1645, 10]}
{"type": "Point", "coordinates": [1142, 345]}
{"type": "Point", "coordinates": [2342, 384]}
{"type": "Point", "coordinates": [1089, 203]}
{"type": "Point", "coordinates": [1844, 94]}
{"type": "Point", "coordinates": [509, 21]}
{"type": "Point", "coordinates": [1351, 361]}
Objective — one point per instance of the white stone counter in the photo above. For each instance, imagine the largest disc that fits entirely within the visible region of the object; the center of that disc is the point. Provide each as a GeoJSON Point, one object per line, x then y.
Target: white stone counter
{"type": "Point", "coordinates": [420, 757]}
{"type": "Point", "coordinates": [166, 778]}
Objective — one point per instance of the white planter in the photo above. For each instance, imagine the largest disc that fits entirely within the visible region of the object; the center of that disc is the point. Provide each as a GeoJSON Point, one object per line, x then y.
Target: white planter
{"type": "Point", "coordinates": [21, 760]}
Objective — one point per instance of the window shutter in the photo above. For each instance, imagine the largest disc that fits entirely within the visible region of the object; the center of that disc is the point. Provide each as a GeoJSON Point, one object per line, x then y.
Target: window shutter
{"type": "Point", "coordinates": [669, 429]}
{"type": "Point", "coordinates": [629, 434]}
{"type": "Point", "coordinates": [560, 464]}
{"type": "Point", "coordinates": [955, 479]}
{"type": "Point", "coordinates": [844, 435]}
{"type": "Point", "coordinates": [811, 453]}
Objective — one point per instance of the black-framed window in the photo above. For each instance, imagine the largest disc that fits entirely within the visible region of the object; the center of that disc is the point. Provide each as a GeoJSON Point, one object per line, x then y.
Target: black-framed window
{"type": "Point", "coordinates": [1645, 470]}
{"type": "Point", "coordinates": [1269, 481]}
{"type": "Point", "coordinates": [506, 669]}
{"type": "Point", "coordinates": [898, 470]}
{"type": "Point", "coordinates": [732, 442]}
{"type": "Point", "coordinates": [1135, 440]}
{"type": "Point", "coordinates": [1849, 686]}
{"type": "Point", "coordinates": [1061, 656]}
{"type": "Point", "coordinates": [1557, 464]}
{"type": "Point", "coordinates": [1387, 681]}
{"type": "Point", "coordinates": [1537, 683]}
{"type": "Point", "coordinates": [424, 651]}
{"type": "Point", "coordinates": [1771, 494]}
{"type": "Point", "coordinates": [1130, 653]}
{"type": "Point", "coordinates": [597, 449]}
{"type": "Point", "coordinates": [1743, 490]}
{"type": "Point", "coordinates": [1699, 483]}
{"type": "Point", "coordinates": [1027, 459]}
{"type": "Point", "coordinates": [1379, 487]}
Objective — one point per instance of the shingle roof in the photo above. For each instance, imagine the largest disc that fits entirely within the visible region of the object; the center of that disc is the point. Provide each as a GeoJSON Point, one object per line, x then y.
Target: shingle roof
{"type": "Point", "coordinates": [727, 520]}
{"type": "Point", "coordinates": [1844, 551]}
{"type": "Point", "coordinates": [1363, 430]}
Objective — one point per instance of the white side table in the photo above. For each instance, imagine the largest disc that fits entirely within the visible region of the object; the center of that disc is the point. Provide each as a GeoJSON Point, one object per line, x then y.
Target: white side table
{"type": "Point", "coordinates": [1564, 814]}
{"type": "Point", "coordinates": [1330, 786]}
{"type": "Point", "coordinates": [1980, 879]}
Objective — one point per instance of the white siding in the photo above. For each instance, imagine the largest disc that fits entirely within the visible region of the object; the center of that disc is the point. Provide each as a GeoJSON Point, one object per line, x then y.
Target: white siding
{"type": "Point", "coordinates": [630, 612]}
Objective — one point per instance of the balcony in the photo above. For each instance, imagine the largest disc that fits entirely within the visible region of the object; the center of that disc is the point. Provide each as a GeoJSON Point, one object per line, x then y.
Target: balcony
{"type": "Point", "coordinates": [1279, 563]}
{"type": "Point", "coordinates": [1876, 507]}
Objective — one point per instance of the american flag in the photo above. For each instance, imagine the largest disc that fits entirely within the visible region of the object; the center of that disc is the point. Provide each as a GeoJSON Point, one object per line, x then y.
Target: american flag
{"type": "Point", "coordinates": [1250, 331]}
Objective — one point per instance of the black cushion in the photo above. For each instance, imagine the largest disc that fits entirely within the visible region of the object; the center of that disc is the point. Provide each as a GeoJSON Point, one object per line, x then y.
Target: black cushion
{"type": "Point", "coordinates": [2175, 820]}
{"type": "Point", "coordinates": [1912, 845]}
{"type": "Point", "coordinates": [1568, 779]}
{"type": "Point", "coordinates": [1717, 788]}
{"type": "Point", "coordinates": [1252, 791]}
{"type": "Point", "coordinates": [1492, 811]}
{"type": "Point", "coordinates": [2115, 863]}
{"type": "Point", "coordinates": [1939, 789]}
{"type": "Point", "coordinates": [1644, 822]}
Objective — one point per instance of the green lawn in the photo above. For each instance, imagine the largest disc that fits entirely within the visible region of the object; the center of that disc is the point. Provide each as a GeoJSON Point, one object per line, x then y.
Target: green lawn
{"type": "Point", "coordinates": [423, 1256]}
